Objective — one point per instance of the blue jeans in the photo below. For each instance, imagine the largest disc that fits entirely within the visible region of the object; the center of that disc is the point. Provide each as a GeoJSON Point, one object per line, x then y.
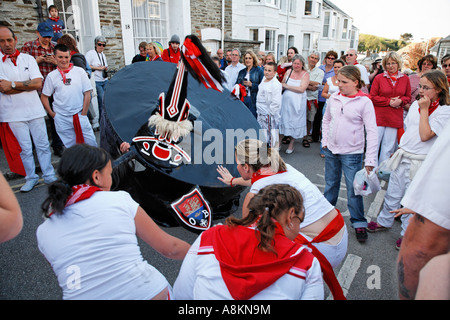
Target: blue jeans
{"type": "Point", "coordinates": [350, 164]}
{"type": "Point", "coordinates": [100, 87]}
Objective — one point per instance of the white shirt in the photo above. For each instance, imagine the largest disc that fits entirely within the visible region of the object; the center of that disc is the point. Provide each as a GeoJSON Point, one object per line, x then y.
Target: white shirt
{"type": "Point", "coordinates": [94, 252]}
{"type": "Point", "coordinates": [364, 74]}
{"type": "Point", "coordinates": [96, 59]}
{"type": "Point", "coordinates": [427, 194]}
{"type": "Point", "coordinates": [268, 100]}
{"type": "Point", "coordinates": [23, 106]}
{"type": "Point", "coordinates": [233, 72]}
{"type": "Point", "coordinates": [315, 75]}
{"type": "Point", "coordinates": [67, 99]}
{"type": "Point", "coordinates": [200, 278]}
{"type": "Point", "coordinates": [316, 205]}
{"type": "Point", "coordinates": [411, 141]}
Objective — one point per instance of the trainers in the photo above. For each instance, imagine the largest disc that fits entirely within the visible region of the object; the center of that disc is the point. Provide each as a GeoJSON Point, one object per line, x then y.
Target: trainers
{"type": "Point", "coordinates": [374, 227]}
{"type": "Point", "coordinates": [361, 234]}
{"type": "Point", "coordinates": [29, 185]}
{"type": "Point", "coordinates": [50, 180]}
{"type": "Point", "coordinates": [398, 243]}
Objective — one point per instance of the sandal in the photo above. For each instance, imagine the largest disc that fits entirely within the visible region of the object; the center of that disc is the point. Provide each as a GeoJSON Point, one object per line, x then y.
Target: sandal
{"type": "Point", "coordinates": [286, 140]}
{"type": "Point", "coordinates": [306, 143]}
{"type": "Point", "coordinates": [375, 227]}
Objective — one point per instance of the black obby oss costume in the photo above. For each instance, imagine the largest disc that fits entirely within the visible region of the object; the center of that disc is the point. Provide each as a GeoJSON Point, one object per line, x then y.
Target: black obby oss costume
{"type": "Point", "coordinates": [178, 135]}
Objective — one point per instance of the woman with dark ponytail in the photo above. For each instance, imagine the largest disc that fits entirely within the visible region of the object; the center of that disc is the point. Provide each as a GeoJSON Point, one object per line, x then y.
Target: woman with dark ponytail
{"type": "Point", "coordinates": [89, 236]}
{"type": "Point", "coordinates": [254, 257]}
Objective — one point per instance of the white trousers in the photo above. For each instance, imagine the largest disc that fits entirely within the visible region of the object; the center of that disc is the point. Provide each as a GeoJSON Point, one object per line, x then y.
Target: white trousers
{"type": "Point", "coordinates": [387, 142]}
{"type": "Point", "coordinates": [35, 129]}
{"type": "Point", "coordinates": [399, 182]}
{"type": "Point", "coordinates": [334, 253]}
{"type": "Point", "coordinates": [271, 130]}
{"type": "Point", "coordinates": [65, 129]}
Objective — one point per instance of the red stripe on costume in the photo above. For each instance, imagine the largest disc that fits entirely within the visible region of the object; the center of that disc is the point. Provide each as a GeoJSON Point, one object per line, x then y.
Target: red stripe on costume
{"type": "Point", "coordinates": [328, 274]}
{"type": "Point", "coordinates": [78, 132]}
{"type": "Point", "coordinates": [12, 149]}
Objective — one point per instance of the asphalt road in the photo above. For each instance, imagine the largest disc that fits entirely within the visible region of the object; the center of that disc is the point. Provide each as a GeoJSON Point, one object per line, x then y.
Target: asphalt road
{"type": "Point", "coordinates": [367, 273]}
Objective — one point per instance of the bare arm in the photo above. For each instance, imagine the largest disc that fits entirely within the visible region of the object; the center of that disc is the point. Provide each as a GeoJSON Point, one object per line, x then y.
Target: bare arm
{"type": "Point", "coordinates": [299, 89]}
{"type": "Point", "coordinates": [425, 131]}
{"type": "Point", "coordinates": [11, 220]}
{"type": "Point", "coordinates": [46, 104]}
{"type": "Point", "coordinates": [21, 86]}
{"type": "Point", "coordinates": [86, 102]}
{"type": "Point", "coordinates": [167, 245]}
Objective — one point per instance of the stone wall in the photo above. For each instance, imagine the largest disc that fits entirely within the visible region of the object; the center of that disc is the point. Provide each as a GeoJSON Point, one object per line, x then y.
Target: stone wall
{"type": "Point", "coordinates": [208, 14]}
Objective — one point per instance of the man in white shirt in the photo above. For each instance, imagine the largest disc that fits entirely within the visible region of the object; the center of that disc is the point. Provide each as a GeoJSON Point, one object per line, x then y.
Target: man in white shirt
{"type": "Point", "coordinates": [351, 59]}
{"type": "Point", "coordinates": [233, 69]}
{"type": "Point", "coordinates": [99, 65]}
{"type": "Point", "coordinates": [71, 90]}
{"type": "Point", "coordinates": [22, 114]}
{"type": "Point", "coordinates": [312, 93]}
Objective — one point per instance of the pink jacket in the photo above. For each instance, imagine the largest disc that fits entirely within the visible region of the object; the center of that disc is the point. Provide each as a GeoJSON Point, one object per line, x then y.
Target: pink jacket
{"type": "Point", "coordinates": [343, 126]}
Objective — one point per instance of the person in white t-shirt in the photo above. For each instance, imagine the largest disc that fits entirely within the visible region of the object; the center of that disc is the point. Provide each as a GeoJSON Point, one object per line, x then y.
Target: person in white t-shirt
{"type": "Point", "coordinates": [323, 228]}
{"type": "Point", "coordinates": [268, 105]}
{"type": "Point", "coordinates": [97, 61]}
{"type": "Point", "coordinates": [425, 121]}
{"type": "Point", "coordinates": [71, 90]}
{"type": "Point", "coordinates": [253, 258]}
{"type": "Point", "coordinates": [21, 113]}
{"type": "Point", "coordinates": [351, 59]}
{"type": "Point", "coordinates": [90, 234]}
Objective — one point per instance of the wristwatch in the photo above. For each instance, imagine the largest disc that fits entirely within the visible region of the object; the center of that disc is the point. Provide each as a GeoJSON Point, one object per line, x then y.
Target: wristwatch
{"type": "Point", "coordinates": [13, 85]}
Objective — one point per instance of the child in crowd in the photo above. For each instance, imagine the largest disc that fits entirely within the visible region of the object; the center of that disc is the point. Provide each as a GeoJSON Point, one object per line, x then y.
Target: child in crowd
{"type": "Point", "coordinates": [55, 23]}
{"type": "Point", "coordinates": [268, 104]}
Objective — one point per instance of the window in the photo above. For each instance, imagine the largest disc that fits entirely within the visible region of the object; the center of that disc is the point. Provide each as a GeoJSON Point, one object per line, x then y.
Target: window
{"type": "Point", "coordinates": [272, 2]}
{"type": "Point", "coordinates": [254, 34]}
{"type": "Point", "coordinates": [345, 29]}
{"type": "Point", "coordinates": [326, 25]}
{"type": "Point", "coordinates": [306, 44]}
{"type": "Point", "coordinates": [149, 21]}
{"type": "Point", "coordinates": [270, 40]}
{"type": "Point", "coordinates": [318, 9]}
{"type": "Point", "coordinates": [308, 7]}
{"type": "Point", "coordinates": [291, 41]}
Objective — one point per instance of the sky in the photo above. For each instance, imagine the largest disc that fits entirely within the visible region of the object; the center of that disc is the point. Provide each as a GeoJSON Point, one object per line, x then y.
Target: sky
{"type": "Point", "coordinates": [424, 19]}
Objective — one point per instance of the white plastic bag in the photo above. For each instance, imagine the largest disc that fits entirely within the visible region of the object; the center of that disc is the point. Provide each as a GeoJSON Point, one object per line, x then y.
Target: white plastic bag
{"type": "Point", "coordinates": [365, 184]}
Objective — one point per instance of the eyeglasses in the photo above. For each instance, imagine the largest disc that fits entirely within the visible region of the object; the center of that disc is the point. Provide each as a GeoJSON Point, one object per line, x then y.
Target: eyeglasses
{"type": "Point", "coordinates": [445, 65]}
{"type": "Point", "coordinates": [101, 44]}
{"type": "Point", "coordinates": [349, 55]}
{"type": "Point", "coordinates": [331, 58]}
{"type": "Point", "coordinates": [424, 88]}
{"type": "Point", "coordinates": [391, 64]}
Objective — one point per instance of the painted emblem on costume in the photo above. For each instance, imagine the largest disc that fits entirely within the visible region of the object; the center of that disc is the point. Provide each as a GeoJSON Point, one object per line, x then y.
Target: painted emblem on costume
{"type": "Point", "coordinates": [193, 210]}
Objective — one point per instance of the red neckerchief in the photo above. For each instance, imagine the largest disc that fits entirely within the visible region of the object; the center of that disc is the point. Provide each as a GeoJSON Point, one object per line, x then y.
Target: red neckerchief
{"type": "Point", "coordinates": [13, 57]}
{"type": "Point", "coordinates": [448, 79]}
{"type": "Point", "coordinates": [433, 107]}
{"type": "Point", "coordinates": [54, 19]}
{"type": "Point", "coordinates": [247, 270]}
{"type": "Point", "coordinates": [79, 193]}
{"type": "Point", "coordinates": [356, 62]}
{"type": "Point", "coordinates": [64, 72]}
{"type": "Point", "coordinates": [263, 173]}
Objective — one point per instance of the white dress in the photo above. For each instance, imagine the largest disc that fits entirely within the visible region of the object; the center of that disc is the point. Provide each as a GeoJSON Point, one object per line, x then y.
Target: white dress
{"type": "Point", "coordinates": [293, 112]}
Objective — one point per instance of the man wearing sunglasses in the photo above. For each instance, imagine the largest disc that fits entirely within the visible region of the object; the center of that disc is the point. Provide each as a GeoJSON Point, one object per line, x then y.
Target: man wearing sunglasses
{"type": "Point", "coordinates": [99, 65]}
{"type": "Point", "coordinates": [351, 57]}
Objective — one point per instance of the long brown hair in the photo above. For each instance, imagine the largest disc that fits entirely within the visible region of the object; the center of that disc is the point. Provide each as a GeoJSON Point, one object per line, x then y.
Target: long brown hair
{"type": "Point", "coordinates": [268, 205]}
{"type": "Point", "coordinates": [440, 82]}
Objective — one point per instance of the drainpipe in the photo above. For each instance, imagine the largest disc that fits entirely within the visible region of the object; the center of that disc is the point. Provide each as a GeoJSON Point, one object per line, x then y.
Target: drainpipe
{"type": "Point", "coordinates": [39, 10]}
{"type": "Point", "coordinates": [223, 24]}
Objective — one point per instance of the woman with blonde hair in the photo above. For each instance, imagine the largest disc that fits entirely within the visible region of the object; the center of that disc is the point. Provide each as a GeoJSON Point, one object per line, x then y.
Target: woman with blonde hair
{"type": "Point", "coordinates": [250, 77]}
{"type": "Point", "coordinates": [323, 228]}
{"type": "Point", "coordinates": [426, 120]}
{"type": "Point", "coordinates": [390, 92]}
{"type": "Point", "coordinates": [153, 52]}
{"type": "Point", "coordinates": [349, 116]}
{"type": "Point", "coordinates": [254, 257]}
